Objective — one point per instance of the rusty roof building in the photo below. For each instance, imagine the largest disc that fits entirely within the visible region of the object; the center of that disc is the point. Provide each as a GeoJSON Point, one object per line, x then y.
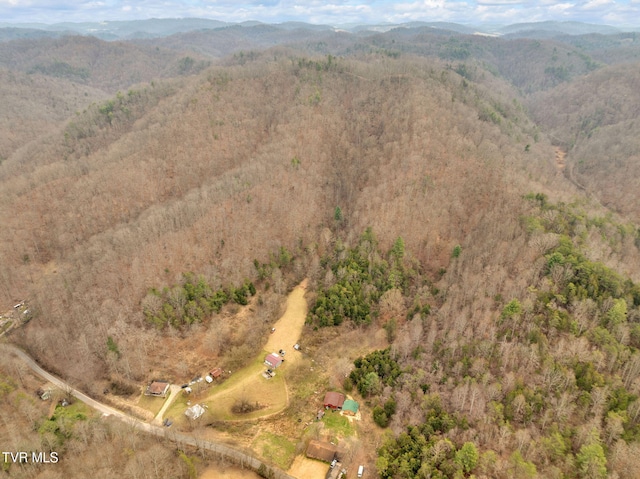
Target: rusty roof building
{"type": "Point", "coordinates": [322, 451]}
{"type": "Point", "coordinates": [333, 400]}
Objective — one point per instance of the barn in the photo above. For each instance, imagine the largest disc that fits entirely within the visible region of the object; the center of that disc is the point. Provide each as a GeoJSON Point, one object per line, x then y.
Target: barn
{"type": "Point", "coordinates": [333, 400]}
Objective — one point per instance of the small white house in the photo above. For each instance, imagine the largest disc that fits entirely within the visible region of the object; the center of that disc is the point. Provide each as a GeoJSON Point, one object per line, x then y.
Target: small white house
{"type": "Point", "coordinates": [273, 360]}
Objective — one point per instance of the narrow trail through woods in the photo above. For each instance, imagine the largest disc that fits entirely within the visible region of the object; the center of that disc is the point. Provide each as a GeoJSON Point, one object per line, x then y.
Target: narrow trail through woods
{"type": "Point", "coordinates": [567, 172]}
{"type": "Point", "coordinates": [561, 156]}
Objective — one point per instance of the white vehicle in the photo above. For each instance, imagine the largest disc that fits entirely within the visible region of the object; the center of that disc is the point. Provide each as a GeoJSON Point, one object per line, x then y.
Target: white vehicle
{"type": "Point", "coordinates": [209, 379]}
{"type": "Point", "coordinates": [360, 471]}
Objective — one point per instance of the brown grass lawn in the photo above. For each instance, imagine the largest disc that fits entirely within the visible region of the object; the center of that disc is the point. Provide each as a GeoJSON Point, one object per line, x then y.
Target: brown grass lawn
{"type": "Point", "coordinates": [151, 403]}
{"type": "Point", "coordinates": [249, 385]}
{"type": "Point", "coordinates": [306, 468]}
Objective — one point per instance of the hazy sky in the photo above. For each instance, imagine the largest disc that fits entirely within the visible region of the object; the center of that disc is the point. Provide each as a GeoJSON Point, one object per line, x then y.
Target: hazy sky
{"type": "Point", "coordinates": [332, 12]}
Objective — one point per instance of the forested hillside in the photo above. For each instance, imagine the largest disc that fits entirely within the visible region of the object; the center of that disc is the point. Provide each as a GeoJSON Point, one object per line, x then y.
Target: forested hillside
{"type": "Point", "coordinates": [601, 135]}
{"type": "Point", "coordinates": [166, 179]}
{"type": "Point", "coordinates": [96, 63]}
{"type": "Point", "coordinates": [44, 82]}
{"type": "Point", "coordinates": [34, 105]}
{"type": "Point", "coordinates": [160, 208]}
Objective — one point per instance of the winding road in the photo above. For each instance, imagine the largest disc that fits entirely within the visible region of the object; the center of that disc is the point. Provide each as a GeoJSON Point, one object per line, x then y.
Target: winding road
{"type": "Point", "coordinates": [243, 459]}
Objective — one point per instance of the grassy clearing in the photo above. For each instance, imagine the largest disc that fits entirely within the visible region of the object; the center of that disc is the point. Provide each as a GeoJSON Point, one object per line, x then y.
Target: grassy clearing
{"type": "Point", "coordinates": [271, 394]}
{"type": "Point", "coordinates": [6, 326]}
{"type": "Point", "coordinates": [151, 403]}
{"type": "Point", "coordinates": [304, 382]}
{"type": "Point", "coordinates": [248, 385]}
{"type": "Point", "coordinates": [276, 449]}
{"type": "Point", "coordinates": [59, 426]}
{"type": "Point", "coordinates": [77, 409]}
{"type": "Point", "coordinates": [306, 390]}
{"type": "Point", "coordinates": [338, 424]}
{"type": "Point", "coordinates": [238, 379]}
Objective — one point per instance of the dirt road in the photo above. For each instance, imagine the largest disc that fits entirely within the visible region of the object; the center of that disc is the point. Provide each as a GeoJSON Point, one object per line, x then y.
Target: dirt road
{"type": "Point", "coordinates": [289, 326]}
{"type": "Point", "coordinates": [175, 389]}
{"type": "Point", "coordinates": [561, 156]}
{"type": "Point", "coordinates": [103, 408]}
{"type": "Point", "coordinates": [249, 383]}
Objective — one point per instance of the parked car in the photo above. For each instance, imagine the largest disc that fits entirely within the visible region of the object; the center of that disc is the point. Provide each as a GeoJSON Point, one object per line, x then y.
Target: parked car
{"type": "Point", "coordinates": [360, 471]}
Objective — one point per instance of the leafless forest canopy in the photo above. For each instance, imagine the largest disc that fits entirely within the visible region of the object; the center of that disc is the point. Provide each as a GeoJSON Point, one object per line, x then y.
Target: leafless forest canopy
{"type": "Point", "coordinates": [124, 165]}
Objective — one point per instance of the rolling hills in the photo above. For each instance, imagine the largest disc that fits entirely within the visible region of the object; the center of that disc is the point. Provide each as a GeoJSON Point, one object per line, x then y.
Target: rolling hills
{"type": "Point", "coordinates": [408, 174]}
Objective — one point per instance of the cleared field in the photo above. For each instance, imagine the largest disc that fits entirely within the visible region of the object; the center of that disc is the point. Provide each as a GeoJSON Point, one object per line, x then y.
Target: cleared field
{"type": "Point", "coordinates": [248, 385]}
{"type": "Point", "coordinates": [306, 468]}
{"type": "Point", "coordinates": [338, 425]}
{"type": "Point", "coordinates": [151, 403]}
{"type": "Point", "coordinates": [289, 326]}
{"type": "Point", "coordinates": [276, 449]}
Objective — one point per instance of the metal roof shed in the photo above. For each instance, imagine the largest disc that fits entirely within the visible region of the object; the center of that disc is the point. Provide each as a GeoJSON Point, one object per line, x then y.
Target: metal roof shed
{"type": "Point", "coordinates": [350, 407]}
{"type": "Point", "coordinates": [194, 412]}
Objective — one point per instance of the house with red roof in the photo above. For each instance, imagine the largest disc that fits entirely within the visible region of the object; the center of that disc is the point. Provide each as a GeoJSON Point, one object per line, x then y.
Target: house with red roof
{"type": "Point", "coordinates": [333, 400]}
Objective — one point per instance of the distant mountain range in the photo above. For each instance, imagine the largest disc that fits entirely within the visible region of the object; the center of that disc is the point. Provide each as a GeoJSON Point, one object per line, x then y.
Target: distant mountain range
{"type": "Point", "coordinates": [154, 28]}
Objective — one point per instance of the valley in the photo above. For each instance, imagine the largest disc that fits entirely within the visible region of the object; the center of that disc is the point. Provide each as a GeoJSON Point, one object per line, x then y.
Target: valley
{"type": "Point", "coordinates": [444, 224]}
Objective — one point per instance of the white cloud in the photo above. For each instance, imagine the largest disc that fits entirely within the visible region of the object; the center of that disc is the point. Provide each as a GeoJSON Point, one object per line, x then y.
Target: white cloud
{"type": "Point", "coordinates": [561, 7]}
{"type": "Point", "coordinates": [500, 2]}
{"type": "Point", "coordinates": [593, 4]}
{"type": "Point", "coordinates": [333, 12]}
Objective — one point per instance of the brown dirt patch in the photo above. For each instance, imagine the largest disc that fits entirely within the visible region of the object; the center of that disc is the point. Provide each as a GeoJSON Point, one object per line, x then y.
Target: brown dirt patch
{"type": "Point", "coordinates": [289, 326]}
{"type": "Point", "coordinates": [226, 472]}
{"type": "Point", "coordinates": [306, 468]}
